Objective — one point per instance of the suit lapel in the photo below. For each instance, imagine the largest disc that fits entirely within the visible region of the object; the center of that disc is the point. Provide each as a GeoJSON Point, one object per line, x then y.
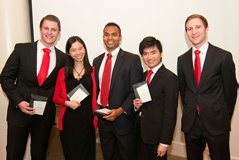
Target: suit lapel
{"type": "Point", "coordinates": [207, 64]}
{"type": "Point", "coordinates": [33, 59]}
{"type": "Point", "coordinates": [190, 69]}
{"type": "Point", "coordinates": [118, 64]}
{"type": "Point", "coordinates": [98, 63]}
{"type": "Point", "coordinates": [157, 76]}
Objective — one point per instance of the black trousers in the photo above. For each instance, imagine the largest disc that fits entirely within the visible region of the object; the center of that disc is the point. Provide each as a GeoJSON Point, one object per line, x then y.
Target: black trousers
{"type": "Point", "coordinates": [17, 140]}
{"type": "Point", "coordinates": [115, 146]}
{"type": "Point", "coordinates": [146, 151]}
{"type": "Point", "coordinates": [197, 139]}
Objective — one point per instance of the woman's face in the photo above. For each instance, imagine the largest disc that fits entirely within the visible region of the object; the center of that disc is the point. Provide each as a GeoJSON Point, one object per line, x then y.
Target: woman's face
{"type": "Point", "coordinates": [77, 51]}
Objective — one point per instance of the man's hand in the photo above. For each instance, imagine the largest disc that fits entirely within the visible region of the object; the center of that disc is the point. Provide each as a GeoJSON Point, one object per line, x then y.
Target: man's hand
{"type": "Point", "coordinates": [26, 108]}
{"type": "Point", "coordinates": [137, 103]}
{"type": "Point", "coordinates": [113, 114]}
{"type": "Point", "coordinates": [161, 150]}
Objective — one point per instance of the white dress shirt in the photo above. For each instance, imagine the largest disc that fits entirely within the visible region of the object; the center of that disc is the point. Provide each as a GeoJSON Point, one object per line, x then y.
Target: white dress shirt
{"type": "Point", "coordinates": [114, 54]}
{"type": "Point", "coordinates": [202, 55]}
{"type": "Point", "coordinates": [40, 54]}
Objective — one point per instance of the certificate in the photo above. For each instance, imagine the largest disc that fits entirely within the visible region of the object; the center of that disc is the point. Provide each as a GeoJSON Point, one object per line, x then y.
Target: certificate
{"type": "Point", "coordinates": [102, 112]}
{"type": "Point", "coordinates": [78, 93]}
{"type": "Point", "coordinates": [141, 90]}
{"type": "Point", "coordinates": [38, 103]}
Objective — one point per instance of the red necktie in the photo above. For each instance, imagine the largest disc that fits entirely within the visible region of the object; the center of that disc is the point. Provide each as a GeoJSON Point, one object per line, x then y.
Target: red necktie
{"type": "Point", "coordinates": [197, 67]}
{"type": "Point", "coordinates": [105, 83]}
{"type": "Point", "coordinates": [44, 66]}
{"type": "Point", "coordinates": [197, 71]}
{"type": "Point", "coordinates": [149, 74]}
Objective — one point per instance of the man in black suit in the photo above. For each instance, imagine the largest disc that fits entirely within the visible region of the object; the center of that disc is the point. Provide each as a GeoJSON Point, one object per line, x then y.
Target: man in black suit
{"type": "Point", "coordinates": [157, 118]}
{"type": "Point", "coordinates": [116, 128]}
{"type": "Point", "coordinates": [208, 98]}
{"type": "Point", "coordinates": [19, 80]}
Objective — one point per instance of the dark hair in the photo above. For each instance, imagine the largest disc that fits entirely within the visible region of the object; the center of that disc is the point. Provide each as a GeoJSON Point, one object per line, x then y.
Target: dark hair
{"type": "Point", "coordinates": [203, 19]}
{"type": "Point", "coordinates": [148, 42]}
{"type": "Point", "coordinates": [53, 18]}
{"type": "Point", "coordinates": [110, 24]}
{"type": "Point", "coordinates": [70, 61]}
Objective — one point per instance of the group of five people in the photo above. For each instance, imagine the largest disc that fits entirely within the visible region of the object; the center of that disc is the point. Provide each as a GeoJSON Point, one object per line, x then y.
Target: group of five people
{"type": "Point", "coordinates": [131, 129]}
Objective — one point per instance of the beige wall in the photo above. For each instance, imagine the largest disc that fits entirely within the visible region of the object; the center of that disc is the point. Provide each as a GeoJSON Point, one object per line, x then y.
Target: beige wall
{"type": "Point", "coordinates": [15, 28]}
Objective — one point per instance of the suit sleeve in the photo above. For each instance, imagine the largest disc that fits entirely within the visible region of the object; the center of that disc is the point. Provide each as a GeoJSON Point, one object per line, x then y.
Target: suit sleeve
{"type": "Point", "coordinates": [170, 110]}
{"type": "Point", "coordinates": [136, 72]}
{"type": "Point", "coordinates": [229, 82]}
{"type": "Point", "coordinates": [9, 77]}
{"type": "Point", "coordinates": [181, 80]}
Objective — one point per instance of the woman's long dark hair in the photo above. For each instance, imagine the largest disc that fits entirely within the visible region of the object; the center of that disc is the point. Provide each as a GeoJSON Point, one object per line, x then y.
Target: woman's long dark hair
{"type": "Point", "coordinates": [70, 61]}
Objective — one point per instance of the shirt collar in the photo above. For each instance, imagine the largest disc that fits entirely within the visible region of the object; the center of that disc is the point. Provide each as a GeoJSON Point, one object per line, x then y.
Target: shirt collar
{"type": "Point", "coordinates": [41, 46]}
{"type": "Point", "coordinates": [114, 52]}
{"type": "Point", "coordinates": [155, 69]}
{"type": "Point", "coordinates": [203, 49]}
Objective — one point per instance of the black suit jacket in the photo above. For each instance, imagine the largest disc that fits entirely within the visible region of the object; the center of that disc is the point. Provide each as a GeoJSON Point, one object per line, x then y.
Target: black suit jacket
{"type": "Point", "coordinates": [126, 72]}
{"type": "Point", "coordinates": [216, 93]}
{"type": "Point", "coordinates": [158, 117]}
{"type": "Point", "coordinates": [19, 81]}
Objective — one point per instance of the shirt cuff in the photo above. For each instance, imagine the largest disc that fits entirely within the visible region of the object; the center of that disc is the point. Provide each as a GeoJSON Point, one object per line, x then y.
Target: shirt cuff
{"type": "Point", "coordinates": [136, 109]}
{"type": "Point", "coordinates": [164, 145]}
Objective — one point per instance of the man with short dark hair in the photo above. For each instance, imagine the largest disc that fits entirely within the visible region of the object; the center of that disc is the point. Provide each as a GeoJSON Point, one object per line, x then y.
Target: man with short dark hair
{"type": "Point", "coordinates": [156, 119]}
{"type": "Point", "coordinates": [31, 70]}
{"type": "Point", "coordinates": [116, 93]}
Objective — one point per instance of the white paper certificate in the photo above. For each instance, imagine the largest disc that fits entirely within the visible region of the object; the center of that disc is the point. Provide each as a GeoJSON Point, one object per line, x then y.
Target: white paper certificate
{"type": "Point", "coordinates": [39, 107]}
{"type": "Point", "coordinates": [79, 95]}
{"type": "Point", "coordinates": [143, 92]}
{"type": "Point", "coordinates": [102, 111]}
